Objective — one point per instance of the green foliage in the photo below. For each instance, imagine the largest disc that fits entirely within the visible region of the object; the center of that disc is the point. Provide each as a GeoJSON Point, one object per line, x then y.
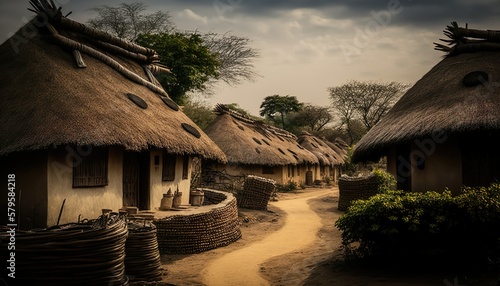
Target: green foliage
{"type": "Point", "coordinates": [279, 106]}
{"type": "Point", "coordinates": [286, 188]}
{"type": "Point", "coordinates": [385, 180]}
{"type": "Point", "coordinates": [310, 118]}
{"type": "Point", "coordinates": [410, 222]}
{"type": "Point", "coordinates": [189, 60]}
{"type": "Point", "coordinates": [328, 181]}
{"type": "Point", "coordinates": [349, 167]}
{"type": "Point", "coordinates": [232, 53]}
{"type": "Point", "coordinates": [200, 112]}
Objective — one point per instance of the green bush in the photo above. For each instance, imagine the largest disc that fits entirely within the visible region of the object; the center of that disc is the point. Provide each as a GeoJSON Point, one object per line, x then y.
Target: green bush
{"type": "Point", "coordinates": [385, 180]}
{"type": "Point", "coordinates": [286, 188]}
{"type": "Point", "coordinates": [410, 222]}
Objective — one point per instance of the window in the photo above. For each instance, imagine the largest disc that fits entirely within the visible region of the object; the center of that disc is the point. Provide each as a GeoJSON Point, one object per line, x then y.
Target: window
{"type": "Point", "coordinates": [168, 171]}
{"type": "Point", "coordinates": [90, 168]}
{"type": "Point", "coordinates": [185, 167]}
{"type": "Point", "coordinates": [267, 170]}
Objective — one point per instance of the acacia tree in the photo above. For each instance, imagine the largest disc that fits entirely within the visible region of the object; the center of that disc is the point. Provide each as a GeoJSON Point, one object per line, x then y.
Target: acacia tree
{"type": "Point", "coordinates": [276, 106]}
{"type": "Point", "coordinates": [314, 118]}
{"type": "Point", "coordinates": [366, 102]}
{"type": "Point", "coordinates": [233, 54]}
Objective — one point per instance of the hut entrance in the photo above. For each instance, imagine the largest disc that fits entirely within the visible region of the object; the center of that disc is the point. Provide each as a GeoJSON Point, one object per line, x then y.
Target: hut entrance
{"type": "Point", "coordinates": [403, 167]}
{"type": "Point", "coordinates": [480, 160]}
{"type": "Point", "coordinates": [136, 179]}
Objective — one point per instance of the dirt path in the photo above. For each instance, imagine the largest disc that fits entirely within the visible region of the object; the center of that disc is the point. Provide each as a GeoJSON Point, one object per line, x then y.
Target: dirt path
{"type": "Point", "coordinates": [242, 267]}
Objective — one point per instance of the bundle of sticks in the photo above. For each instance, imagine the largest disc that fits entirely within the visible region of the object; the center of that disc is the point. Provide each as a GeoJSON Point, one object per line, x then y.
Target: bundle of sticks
{"type": "Point", "coordinates": [465, 40]}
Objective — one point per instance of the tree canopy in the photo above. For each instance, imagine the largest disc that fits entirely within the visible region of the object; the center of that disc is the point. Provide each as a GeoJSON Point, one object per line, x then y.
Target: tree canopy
{"type": "Point", "coordinates": [364, 102]}
{"type": "Point", "coordinates": [313, 118]}
{"type": "Point", "coordinates": [276, 107]}
{"type": "Point", "coordinates": [190, 62]}
{"type": "Point", "coordinates": [229, 58]}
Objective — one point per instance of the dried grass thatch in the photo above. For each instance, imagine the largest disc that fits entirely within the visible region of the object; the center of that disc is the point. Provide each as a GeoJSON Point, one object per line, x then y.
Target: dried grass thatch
{"type": "Point", "coordinates": [325, 154]}
{"type": "Point", "coordinates": [460, 94]}
{"type": "Point", "coordinates": [340, 153]}
{"type": "Point", "coordinates": [48, 101]}
{"type": "Point", "coordinates": [245, 141]}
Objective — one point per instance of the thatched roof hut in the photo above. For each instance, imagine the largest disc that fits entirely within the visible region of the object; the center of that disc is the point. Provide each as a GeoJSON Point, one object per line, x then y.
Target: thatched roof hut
{"type": "Point", "coordinates": [340, 152]}
{"type": "Point", "coordinates": [457, 96]}
{"type": "Point", "coordinates": [246, 141]}
{"type": "Point", "coordinates": [70, 84]}
{"type": "Point", "coordinates": [326, 155]}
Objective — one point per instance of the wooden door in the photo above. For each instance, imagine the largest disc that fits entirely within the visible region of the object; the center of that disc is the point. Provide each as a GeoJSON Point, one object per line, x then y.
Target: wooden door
{"type": "Point", "coordinates": [131, 179]}
{"type": "Point", "coordinates": [403, 167]}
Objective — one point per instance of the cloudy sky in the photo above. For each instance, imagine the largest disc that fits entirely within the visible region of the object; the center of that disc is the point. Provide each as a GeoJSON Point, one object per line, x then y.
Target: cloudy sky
{"type": "Point", "coordinates": [307, 46]}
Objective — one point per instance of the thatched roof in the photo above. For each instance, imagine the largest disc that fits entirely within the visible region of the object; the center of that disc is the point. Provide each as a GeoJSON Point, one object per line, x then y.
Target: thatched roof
{"type": "Point", "coordinates": [325, 154]}
{"type": "Point", "coordinates": [48, 100]}
{"type": "Point", "coordinates": [460, 94]}
{"type": "Point", "coordinates": [340, 152]}
{"type": "Point", "coordinates": [245, 141]}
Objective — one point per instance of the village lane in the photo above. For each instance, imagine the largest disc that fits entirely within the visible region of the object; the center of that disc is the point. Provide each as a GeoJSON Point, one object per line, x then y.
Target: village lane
{"type": "Point", "coordinates": [242, 267]}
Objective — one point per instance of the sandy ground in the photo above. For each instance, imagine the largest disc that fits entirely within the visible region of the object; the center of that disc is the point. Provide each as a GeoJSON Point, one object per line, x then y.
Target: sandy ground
{"type": "Point", "coordinates": [311, 255]}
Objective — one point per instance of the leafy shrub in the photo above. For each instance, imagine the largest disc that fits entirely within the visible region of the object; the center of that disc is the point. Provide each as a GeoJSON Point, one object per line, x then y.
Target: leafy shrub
{"type": "Point", "coordinates": [409, 222]}
{"type": "Point", "coordinates": [328, 181]}
{"type": "Point", "coordinates": [385, 180]}
{"type": "Point", "coordinates": [286, 188]}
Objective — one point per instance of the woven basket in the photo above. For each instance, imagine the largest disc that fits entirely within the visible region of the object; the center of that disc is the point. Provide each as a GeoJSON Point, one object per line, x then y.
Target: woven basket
{"type": "Point", "coordinates": [90, 253]}
{"type": "Point", "coordinates": [142, 259]}
{"type": "Point", "coordinates": [256, 193]}
{"type": "Point", "coordinates": [356, 188]}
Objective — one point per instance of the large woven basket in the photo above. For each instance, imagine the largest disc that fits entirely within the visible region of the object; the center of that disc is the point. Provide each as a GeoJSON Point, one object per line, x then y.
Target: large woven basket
{"type": "Point", "coordinates": [256, 193]}
{"type": "Point", "coordinates": [90, 253]}
{"type": "Point", "coordinates": [356, 188]}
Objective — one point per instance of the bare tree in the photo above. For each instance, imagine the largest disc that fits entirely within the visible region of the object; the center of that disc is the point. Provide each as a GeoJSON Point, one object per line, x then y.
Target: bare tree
{"type": "Point", "coordinates": [234, 54]}
{"type": "Point", "coordinates": [367, 102]}
{"type": "Point", "coordinates": [235, 57]}
{"type": "Point", "coordinates": [127, 21]}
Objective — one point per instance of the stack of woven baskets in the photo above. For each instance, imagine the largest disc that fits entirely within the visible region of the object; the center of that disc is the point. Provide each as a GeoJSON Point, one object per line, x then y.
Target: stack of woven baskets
{"type": "Point", "coordinates": [142, 260]}
{"type": "Point", "coordinates": [256, 193]}
{"type": "Point", "coordinates": [356, 188]}
{"type": "Point", "coordinates": [90, 253]}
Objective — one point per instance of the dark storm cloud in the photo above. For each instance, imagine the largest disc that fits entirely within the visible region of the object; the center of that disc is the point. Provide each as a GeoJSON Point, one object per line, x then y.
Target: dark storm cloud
{"type": "Point", "coordinates": [423, 13]}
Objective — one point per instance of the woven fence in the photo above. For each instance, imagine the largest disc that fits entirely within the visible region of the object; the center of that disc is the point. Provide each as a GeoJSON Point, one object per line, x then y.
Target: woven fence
{"type": "Point", "coordinates": [356, 188]}
{"type": "Point", "coordinates": [256, 193]}
{"type": "Point", "coordinates": [90, 253]}
{"type": "Point", "coordinates": [187, 234]}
